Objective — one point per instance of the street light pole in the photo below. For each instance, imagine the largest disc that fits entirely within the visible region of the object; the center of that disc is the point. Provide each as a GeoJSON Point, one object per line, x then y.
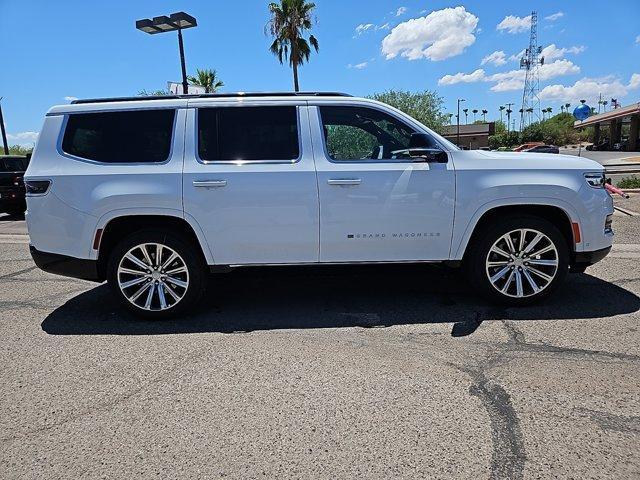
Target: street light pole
{"type": "Point", "coordinates": [4, 133]}
{"type": "Point", "coordinates": [458, 118]}
{"type": "Point", "coordinates": [185, 85]}
{"type": "Point", "coordinates": [176, 21]}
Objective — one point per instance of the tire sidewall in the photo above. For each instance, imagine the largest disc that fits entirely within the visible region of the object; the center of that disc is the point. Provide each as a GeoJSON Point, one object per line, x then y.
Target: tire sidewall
{"type": "Point", "coordinates": [193, 260]}
{"type": "Point", "coordinates": [477, 267]}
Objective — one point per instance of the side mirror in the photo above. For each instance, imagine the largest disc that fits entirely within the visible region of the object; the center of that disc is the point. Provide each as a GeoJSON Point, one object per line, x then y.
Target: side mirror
{"type": "Point", "coordinates": [423, 148]}
{"type": "Point", "coordinates": [431, 155]}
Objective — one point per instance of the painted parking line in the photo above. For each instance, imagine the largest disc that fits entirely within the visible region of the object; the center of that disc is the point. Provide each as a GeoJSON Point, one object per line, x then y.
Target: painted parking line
{"type": "Point", "coordinates": [625, 250]}
{"type": "Point", "coordinates": [13, 238]}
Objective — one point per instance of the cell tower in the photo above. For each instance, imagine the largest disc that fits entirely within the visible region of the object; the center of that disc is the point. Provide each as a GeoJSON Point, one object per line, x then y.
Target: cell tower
{"type": "Point", "coordinates": [531, 63]}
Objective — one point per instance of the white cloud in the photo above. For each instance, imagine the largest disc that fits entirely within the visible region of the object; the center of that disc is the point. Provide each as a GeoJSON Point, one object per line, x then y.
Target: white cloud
{"type": "Point", "coordinates": [590, 89]}
{"type": "Point", "coordinates": [513, 24]}
{"type": "Point", "coordinates": [70, 99]}
{"type": "Point", "coordinates": [555, 16]}
{"type": "Point", "coordinates": [366, 27]}
{"type": "Point", "coordinates": [476, 76]}
{"type": "Point", "coordinates": [358, 66]}
{"type": "Point", "coordinates": [551, 52]}
{"type": "Point", "coordinates": [638, 40]}
{"type": "Point", "coordinates": [401, 11]}
{"type": "Point", "coordinates": [363, 27]}
{"type": "Point", "coordinates": [22, 138]}
{"type": "Point", "coordinates": [512, 79]}
{"type": "Point", "coordinates": [441, 34]}
{"type": "Point", "coordinates": [496, 58]}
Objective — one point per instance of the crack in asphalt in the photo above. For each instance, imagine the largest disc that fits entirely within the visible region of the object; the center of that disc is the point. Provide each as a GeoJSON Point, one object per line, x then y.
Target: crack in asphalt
{"type": "Point", "coordinates": [19, 272]}
{"type": "Point", "coordinates": [508, 454]}
{"type": "Point", "coordinates": [610, 421]}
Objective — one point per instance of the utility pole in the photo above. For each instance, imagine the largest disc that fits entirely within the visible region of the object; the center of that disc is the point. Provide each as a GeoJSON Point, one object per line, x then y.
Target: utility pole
{"type": "Point", "coordinates": [4, 134]}
{"type": "Point", "coordinates": [458, 134]}
{"type": "Point", "coordinates": [531, 63]}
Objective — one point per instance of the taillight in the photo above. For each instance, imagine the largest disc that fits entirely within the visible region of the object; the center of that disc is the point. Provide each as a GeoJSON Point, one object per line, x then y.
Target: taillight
{"type": "Point", "coordinates": [37, 187]}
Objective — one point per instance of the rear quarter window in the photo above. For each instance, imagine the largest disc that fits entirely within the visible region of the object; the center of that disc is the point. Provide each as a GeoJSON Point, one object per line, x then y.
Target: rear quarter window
{"type": "Point", "coordinates": [142, 136]}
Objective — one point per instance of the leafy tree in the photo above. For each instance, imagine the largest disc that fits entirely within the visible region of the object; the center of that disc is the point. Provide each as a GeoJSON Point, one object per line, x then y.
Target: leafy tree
{"type": "Point", "coordinates": [289, 20]}
{"type": "Point", "coordinates": [426, 106]}
{"type": "Point", "coordinates": [206, 78]}
{"type": "Point", "coordinates": [18, 150]}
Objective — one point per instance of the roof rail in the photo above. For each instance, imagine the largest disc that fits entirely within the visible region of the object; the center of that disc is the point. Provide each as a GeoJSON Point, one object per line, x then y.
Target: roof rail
{"type": "Point", "coordinates": [212, 95]}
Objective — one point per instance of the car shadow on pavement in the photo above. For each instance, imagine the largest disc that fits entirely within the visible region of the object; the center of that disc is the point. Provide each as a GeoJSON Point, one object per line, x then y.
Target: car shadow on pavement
{"type": "Point", "coordinates": [367, 296]}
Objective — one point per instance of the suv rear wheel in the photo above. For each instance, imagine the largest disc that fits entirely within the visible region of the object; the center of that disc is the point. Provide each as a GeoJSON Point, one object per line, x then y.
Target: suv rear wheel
{"type": "Point", "coordinates": [156, 274]}
{"type": "Point", "coordinates": [518, 260]}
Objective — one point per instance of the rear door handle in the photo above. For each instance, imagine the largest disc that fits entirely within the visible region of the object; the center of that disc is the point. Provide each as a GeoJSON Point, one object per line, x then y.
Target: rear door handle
{"type": "Point", "coordinates": [344, 181]}
{"type": "Point", "coordinates": [209, 183]}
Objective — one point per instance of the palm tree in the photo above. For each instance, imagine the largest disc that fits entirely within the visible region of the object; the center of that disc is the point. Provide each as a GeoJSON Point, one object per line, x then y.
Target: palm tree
{"type": "Point", "coordinates": [450, 116]}
{"type": "Point", "coordinates": [466, 114]}
{"type": "Point", "coordinates": [501, 108]}
{"type": "Point", "coordinates": [562, 108]}
{"type": "Point", "coordinates": [474, 111]}
{"type": "Point", "coordinates": [604, 104]}
{"type": "Point", "coordinates": [566, 106]}
{"type": "Point", "coordinates": [289, 20]}
{"type": "Point", "coordinates": [206, 78]}
{"type": "Point", "coordinates": [484, 115]}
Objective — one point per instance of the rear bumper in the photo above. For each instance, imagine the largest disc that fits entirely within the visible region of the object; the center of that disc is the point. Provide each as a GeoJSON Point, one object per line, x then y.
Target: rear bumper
{"type": "Point", "coordinates": [585, 259]}
{"type": "Point", "coordinates": [65, 266]}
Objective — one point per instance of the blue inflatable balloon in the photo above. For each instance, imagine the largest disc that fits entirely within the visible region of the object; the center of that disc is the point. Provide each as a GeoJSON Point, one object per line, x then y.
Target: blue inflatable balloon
{"type": "Point", "coordinates": [582, 112]}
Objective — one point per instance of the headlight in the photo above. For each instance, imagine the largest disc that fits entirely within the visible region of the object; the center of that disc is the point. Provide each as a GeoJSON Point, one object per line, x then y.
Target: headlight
{"type": "Point", "coordinates": [595, 179]}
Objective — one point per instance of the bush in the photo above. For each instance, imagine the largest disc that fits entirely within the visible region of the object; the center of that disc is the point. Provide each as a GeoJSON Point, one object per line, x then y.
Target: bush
{"type": "Point", "coordinates": [629, 182]}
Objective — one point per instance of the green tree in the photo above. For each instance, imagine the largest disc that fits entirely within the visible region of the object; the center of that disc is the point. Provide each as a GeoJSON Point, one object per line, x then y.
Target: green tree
{"type": "Point", "coordinates": [18, 150]}
{"type": "Point", "coordinates": [426, 106]}
{"type": "Point", "coordinates": [289, 21]}
{"type": "Point", "coordinates": [206, 78]}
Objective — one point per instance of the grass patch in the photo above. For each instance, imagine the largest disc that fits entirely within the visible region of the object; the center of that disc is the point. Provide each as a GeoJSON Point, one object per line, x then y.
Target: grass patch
{"type": "Point", "coordinates": [629, 182]}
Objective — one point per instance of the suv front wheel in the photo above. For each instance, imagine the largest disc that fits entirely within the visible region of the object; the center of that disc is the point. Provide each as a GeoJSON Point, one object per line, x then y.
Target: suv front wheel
{"type": "Point", "coordinates": [156, 274]}
{"type": "Point", "coordinates": [518, 260]}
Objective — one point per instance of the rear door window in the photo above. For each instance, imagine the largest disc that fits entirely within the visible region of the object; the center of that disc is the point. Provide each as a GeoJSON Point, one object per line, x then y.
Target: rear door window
{"type": "Point", "coordinates": [141, 136]}
{"type": "Point", "coordinates": [248, 133]}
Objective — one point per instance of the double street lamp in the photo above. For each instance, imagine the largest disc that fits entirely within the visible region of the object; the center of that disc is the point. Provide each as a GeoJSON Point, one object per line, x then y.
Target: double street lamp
{"type": "Point", "coordinates": [458, 134]}
{"type": "Point", "coordinates": [176, 21]}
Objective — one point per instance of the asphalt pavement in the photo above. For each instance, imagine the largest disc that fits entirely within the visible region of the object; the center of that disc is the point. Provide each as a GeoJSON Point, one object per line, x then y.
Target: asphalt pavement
{"type": "Point", "coordinates": [323, 372]}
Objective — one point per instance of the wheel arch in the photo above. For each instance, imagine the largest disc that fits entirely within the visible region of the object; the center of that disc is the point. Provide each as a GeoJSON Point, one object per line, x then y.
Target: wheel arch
{"type": "Point", "coordinates": [116, 227]}
{"type": "Point", "coordinates": [555, 214]}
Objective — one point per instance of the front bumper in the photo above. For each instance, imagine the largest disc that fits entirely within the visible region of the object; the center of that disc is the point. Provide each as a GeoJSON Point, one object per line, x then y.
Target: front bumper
{"type": "Point", "coordinates": [66, 266]}
{"type": "Point", "coordinates": [583, 260]}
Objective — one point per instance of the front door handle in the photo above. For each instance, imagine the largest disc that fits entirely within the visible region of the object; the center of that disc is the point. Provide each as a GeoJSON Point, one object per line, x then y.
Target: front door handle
{"type": "Point", "coordinates": [209, 183]}
{"type": "Point", "coordinates": [344, 181]}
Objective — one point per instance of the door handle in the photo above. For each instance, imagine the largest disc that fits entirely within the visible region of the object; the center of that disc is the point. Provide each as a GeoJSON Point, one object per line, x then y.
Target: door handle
{"type": "Point", "coordinates": [209, 183]}
{"type": "Point", "coordinates": [344, 181]}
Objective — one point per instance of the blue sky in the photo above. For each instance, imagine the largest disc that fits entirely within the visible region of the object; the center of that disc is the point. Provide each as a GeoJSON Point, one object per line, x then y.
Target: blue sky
{"type": "Point", "coordinates": [69, 48]}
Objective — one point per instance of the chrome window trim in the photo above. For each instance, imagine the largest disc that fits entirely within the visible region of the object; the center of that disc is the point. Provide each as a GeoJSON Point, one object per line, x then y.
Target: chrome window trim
{"type": "Point", "coordinates": [63, 130]}
{"type": "Point", "coordinates": [240, 163]}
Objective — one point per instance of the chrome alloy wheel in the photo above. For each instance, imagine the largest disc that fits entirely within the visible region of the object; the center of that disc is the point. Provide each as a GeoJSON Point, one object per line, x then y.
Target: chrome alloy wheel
{"type": "Point", "coordinates": [522, 263]}
{"type": "Point", "coordinates": [153, 277]}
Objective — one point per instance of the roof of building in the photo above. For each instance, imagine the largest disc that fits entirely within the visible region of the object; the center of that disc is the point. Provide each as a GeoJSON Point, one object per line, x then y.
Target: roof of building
{"type": "Point", "coordinates": [473, 129]}
{"type": "Point", "coordinates": [211, 95]}
{"type": "Point", "coordinates": [610, 115]}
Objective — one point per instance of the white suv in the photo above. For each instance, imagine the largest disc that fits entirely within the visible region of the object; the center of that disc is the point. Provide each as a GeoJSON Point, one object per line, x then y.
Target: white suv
{"type": "Point", "coordinates": [151, 194]}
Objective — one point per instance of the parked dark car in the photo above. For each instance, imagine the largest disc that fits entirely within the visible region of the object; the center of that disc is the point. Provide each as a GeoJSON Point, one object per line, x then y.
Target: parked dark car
{"type": "Point", "coordinates": [602, 146]}
{"type": "Point", "coordinates": [543, 149]}
{"type": "Point", "coordinates": [12, 191]}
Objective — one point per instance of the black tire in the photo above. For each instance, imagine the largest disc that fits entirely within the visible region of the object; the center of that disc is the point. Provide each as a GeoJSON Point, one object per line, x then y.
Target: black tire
{"type": "Point", "coordinates": [478, 256]}
{"type": "Point", "coordinates": [189, 253]}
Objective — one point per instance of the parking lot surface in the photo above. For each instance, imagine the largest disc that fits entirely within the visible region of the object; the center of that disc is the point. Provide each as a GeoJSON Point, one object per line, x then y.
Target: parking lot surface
{"type": "Point", "coordinates": [324, 372]}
